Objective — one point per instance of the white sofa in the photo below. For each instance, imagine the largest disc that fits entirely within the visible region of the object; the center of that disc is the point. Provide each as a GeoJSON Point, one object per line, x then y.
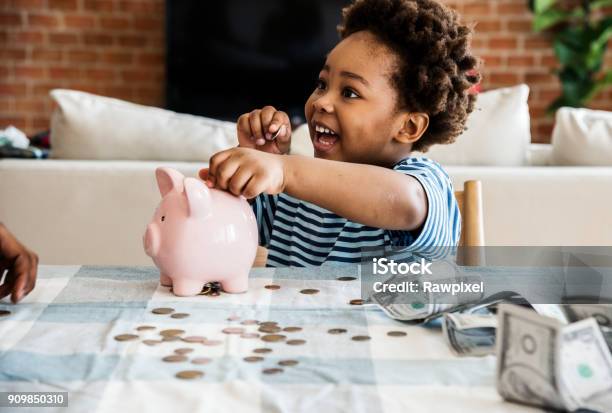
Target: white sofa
{"type": "Point", "coordinates": [73, 211]}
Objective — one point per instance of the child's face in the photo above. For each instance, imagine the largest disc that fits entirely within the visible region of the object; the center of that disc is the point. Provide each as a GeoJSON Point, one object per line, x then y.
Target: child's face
{"type": "Point", "coordinates": [354, 99]}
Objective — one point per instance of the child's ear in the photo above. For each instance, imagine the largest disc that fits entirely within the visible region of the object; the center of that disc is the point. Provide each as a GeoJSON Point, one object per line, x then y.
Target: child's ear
{"type": "Point", "coordinates": [413, 127]}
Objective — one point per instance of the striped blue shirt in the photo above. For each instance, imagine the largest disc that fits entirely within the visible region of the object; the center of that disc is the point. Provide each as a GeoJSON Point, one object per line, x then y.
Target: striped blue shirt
{"type": "Point", "coordinates": [301, 234]}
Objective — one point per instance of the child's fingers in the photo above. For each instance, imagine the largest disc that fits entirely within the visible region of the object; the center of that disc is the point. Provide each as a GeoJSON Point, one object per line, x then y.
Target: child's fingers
{"type": "Point", "coordinates": [255, 124]}
{"type": "Point", "coordinates": [225, 171]}
{"type": "Point", "coordinates": [239, 180]}
{"type": "Point", "coordinates": [267, 116]}
{"type": "Point", "coordinates": [243, 127]}
{"type": "Point", "coordinates": [253, 188]}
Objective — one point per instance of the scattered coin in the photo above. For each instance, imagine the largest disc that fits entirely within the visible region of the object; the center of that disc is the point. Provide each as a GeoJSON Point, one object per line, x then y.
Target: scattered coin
{"type": "Point", "coordinates": [233, 318]}
{"type": "Point", "coordinates": [356, 301]}
{"type": "Point", "coordinates": [4, 313]}
{"type": "Point", "coordinates": [269, 329]}
{"type": "Point", "coordinates": [180, 315]}
{"type": "Point", "coordinates": [249, 322]}
{"type": "Point", "coordinates": [346, 278]}
{"type": "Point", "coordinates": [253, 359]}
{"type": "Point", "coordinates": [151, 342]}
{"type": "Point", "coordinates": [268, 323]}
{"type": "Point", "coordinates": [272, 287]}
{"type": "Point", "coordinates": [171, 332]}
{"type": "Point", "coordinates": [233, 330]}
{"type": "Point", "coordinates": [126, 337]}
{"type": "Point", "coordinates": [292, 329]}
{"type": "Point", "coordinates": [201, 360]}
{"type": "Point", "coordinates": [175, 358]}
{"type": "Point", "coordinates": [396, 333]}
{"type": "Point", "coordinates": [309, 291]}
{"type": "Point", "coordinates": [274, 370]}
{"type": "Point", "coordinates": [162, 310]}
{"type": "Point", "coordinates": [212, 342]}
{"type": "Point", "coordinates": [249, 335]}
{"type": "Point", "coordinates": [143, 328]}
{"type": "Point", "coordinates": [288, 363]}
{"type": "Point", "coordinates": [183, 350]}
{"type": "Point", "coordinates": [263, 350]}
{"type": "Point", "coordinates": [336, 331]}
{"type": "Point", "coordinates": [296, 342]}
{"type": "Point", "coordinates": [190, 374]}
{"type": "Point", "coordinates": [360, 338]}
{"type": "Point", "coordinates": [273, 338]}
{"type": "Point", "coordinates": [171, 338]}
{"type": "Point", "coordinates": [194, 339]}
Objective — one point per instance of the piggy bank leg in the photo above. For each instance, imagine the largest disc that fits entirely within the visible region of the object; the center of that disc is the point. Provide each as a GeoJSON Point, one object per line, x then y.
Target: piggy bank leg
{"type": "Point", "coordinates": [186, 287]}
{"type": "Point", "coordinates": [238, 284]}
{"type": "Point", "coordinates": [165, 280]}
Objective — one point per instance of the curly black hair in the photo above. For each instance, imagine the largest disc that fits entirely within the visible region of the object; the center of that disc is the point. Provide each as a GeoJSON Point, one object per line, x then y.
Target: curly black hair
{"type": "Point", "coordinates": [435, 68]}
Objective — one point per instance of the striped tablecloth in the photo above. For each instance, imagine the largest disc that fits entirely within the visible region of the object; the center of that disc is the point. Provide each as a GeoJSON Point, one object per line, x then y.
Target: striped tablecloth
{"type": "Point", "coordinates": [61, 338]}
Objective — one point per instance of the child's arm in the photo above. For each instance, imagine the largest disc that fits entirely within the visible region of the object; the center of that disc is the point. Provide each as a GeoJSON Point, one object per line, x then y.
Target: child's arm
{"type": "Point", "coordinates": [367, 194]}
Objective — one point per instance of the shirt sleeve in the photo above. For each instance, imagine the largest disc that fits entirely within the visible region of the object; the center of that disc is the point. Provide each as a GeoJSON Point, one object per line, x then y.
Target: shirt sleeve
{"type": "Point", "coordinates": [264, 208]}
{"type": "Point", "coordinates": [442, 226]}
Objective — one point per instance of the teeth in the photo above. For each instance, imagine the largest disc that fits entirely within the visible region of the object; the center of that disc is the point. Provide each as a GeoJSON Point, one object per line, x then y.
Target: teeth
{"type": "Point", "coordinates": [321, 129]}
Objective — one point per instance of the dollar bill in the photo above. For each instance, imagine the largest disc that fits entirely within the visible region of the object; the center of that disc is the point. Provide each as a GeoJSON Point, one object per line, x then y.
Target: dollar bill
{"type": "Point", "coordinates": [543, 362]}
{"type": "Point", "coordinates": [470, 334]}
{"type": "Point", "coordinates": [600, 312]}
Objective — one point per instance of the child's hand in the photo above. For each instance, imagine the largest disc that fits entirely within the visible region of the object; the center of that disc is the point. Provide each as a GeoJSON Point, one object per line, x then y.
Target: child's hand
{"type": "Point", "coordinates": [256, 129]}
{"type": "Point", "coordinates": [22, 266]}
{"type": "Point", "coordinates": [246, 172]}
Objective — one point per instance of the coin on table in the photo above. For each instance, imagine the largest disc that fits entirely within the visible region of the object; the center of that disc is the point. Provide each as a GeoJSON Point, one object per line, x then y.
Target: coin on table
{"type": "Point", "coordinates": [233, 318]}
{"type": "Point", "coordinates": [151, 342]}
{"type": "Point", "coordinates": [126, 337]}
{"type": "Point", "coordinates": [336, 331]}
{"type": "Point", "coordinates": [4, 313]}
{"type": "Point", "coordinates": [269, 329]}
{"type": "Point", "coordinates": [162, 310]}
{"type": "Point", "coordinates": [249, 322]}
{"type": "Point", "coordinates": [309, 291]}
{"type": "Point", "coordinates": [288, 363]}
{"type": "Point", "coordinates": [396, 333]}
{"type": "Point", "coordinates": [212, 342]}
{"type": "Point", "coordinates": [171, 338]}
{"type": "Point", "coordinates": [346, 278]}
{"type": "Point", "coordinates": [268, 323]}
{"type": "Point", "coordinates": [194, 339]}
{"type": "Point", "coordinates": [175, 358]}
{"type": "Point", "coordinates": [249, 335]}
{"type": "Point", "coordinates": [233, 330]}
{"type": "Point", "coordinates": [201, 360]}
{"type": "Point", "coordinates": [180, 315]}
{"type": "Point", "coordinates": [296, 342]}
{"type": "Point", "coordinates": [263, 350]}
{"type": "Point", "coordinates": [253, 359]}
{"type": "Point", "coordinates": [171, 332]}
{"type": "Point", "coordinates": [144, 328]}
{"type": "Point", "coordinates": [273, 338]}
{"type": "Point", "coordinates": [183, 350]}
{"type": "Point", "coordinates": [356, 301]}
{"type": "Point", "coordinates": [292, 329]}
{"type": "Point", "coordinates": [360, 338]}
{"type": "Point", "coordinates": [190, 374]}
{"type": "Point", "coordinates": [272, 286]}
{"type": "Point", "coordinates": [274, 370]}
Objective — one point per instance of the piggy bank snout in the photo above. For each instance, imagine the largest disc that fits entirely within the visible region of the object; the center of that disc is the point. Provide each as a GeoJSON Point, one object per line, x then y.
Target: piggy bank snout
{"type": "Point", "coordinates": [151, 240]}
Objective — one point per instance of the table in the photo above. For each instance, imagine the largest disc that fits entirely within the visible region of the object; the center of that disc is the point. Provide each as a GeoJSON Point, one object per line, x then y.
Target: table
{"type": "Point", "coordinates": [61, 338]}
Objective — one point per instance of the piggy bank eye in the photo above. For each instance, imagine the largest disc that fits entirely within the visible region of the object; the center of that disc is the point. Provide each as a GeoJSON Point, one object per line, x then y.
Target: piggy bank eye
{"type": "Point", "coordinates": [163, 218]}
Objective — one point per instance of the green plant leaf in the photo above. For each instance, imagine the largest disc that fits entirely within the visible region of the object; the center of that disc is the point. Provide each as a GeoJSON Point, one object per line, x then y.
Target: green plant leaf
{"type": "Point", "coordinates": [600, 3]}
{"type": "Point", "coordinates": [541, 6]}
{"type": "Point", "coordinates": [552, 17]}
{"type": "Point", "coordinates": [600, 85]}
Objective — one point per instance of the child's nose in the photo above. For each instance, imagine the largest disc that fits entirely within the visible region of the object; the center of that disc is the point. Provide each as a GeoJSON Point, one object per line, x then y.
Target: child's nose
{"type": "Point", "coordinates": [323, 104]}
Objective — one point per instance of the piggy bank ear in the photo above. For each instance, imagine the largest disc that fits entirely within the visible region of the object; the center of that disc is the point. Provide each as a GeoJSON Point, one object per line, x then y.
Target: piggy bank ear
{"type": "Point", "coordinates": [169, 179]}
{"type": "Point", "coordinates": [198, 197]}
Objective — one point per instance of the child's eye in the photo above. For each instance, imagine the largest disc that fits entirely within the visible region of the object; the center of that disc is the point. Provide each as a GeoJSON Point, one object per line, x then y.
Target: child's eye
{"type": "Point", "coordinates": [320, 84]}
{"type": "Point", "coordinates": [349, 93]}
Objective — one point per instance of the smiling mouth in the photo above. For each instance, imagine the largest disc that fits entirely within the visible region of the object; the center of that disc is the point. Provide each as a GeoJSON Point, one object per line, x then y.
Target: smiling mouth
{"type": "Point", "coordinates": [325, 139]}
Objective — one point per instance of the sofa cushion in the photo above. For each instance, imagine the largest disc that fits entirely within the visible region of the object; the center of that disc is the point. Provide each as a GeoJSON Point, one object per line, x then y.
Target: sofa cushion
{"type": "Point", "coordinates": [498, 132]}
{"type": "Point", "coordinates": [87, 126]}
{"type": "Point", "coordinates": [582, 137]}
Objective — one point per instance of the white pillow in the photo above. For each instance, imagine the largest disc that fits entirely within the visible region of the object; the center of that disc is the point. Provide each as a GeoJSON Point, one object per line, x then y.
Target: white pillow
{"type": "Point", "coordinates": [87, 126]}
{"type": "Point", "coordinates": [498, 132]}
{"type": "Point", "coordinates": [582, 137]}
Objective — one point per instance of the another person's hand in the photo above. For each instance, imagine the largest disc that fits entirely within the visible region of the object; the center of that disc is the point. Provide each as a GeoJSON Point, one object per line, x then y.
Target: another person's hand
{"type": "Point", "coordinates": [22, 266]}
{"type": "Point", "coordinates": [257, 128]}
{"type": "Point", "coordinates": [246, 172]}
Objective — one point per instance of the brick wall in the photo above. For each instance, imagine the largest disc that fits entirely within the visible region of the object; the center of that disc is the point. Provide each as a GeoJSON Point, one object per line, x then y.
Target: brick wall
{"type": "Point", "coordinates": [116, 48]}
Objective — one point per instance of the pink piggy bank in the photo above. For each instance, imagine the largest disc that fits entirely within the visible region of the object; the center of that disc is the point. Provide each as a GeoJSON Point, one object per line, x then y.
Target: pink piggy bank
{"type": "Point", "coordinates": [199, 235]}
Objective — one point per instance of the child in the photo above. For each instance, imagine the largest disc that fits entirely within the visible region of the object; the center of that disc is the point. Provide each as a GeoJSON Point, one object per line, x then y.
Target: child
{"type": "Point", "coordinates": [397, 82]}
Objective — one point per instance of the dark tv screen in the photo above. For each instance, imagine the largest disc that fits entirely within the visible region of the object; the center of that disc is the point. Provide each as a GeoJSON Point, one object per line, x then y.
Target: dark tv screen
{"type": "Point", "coordinates": [225, 58]}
